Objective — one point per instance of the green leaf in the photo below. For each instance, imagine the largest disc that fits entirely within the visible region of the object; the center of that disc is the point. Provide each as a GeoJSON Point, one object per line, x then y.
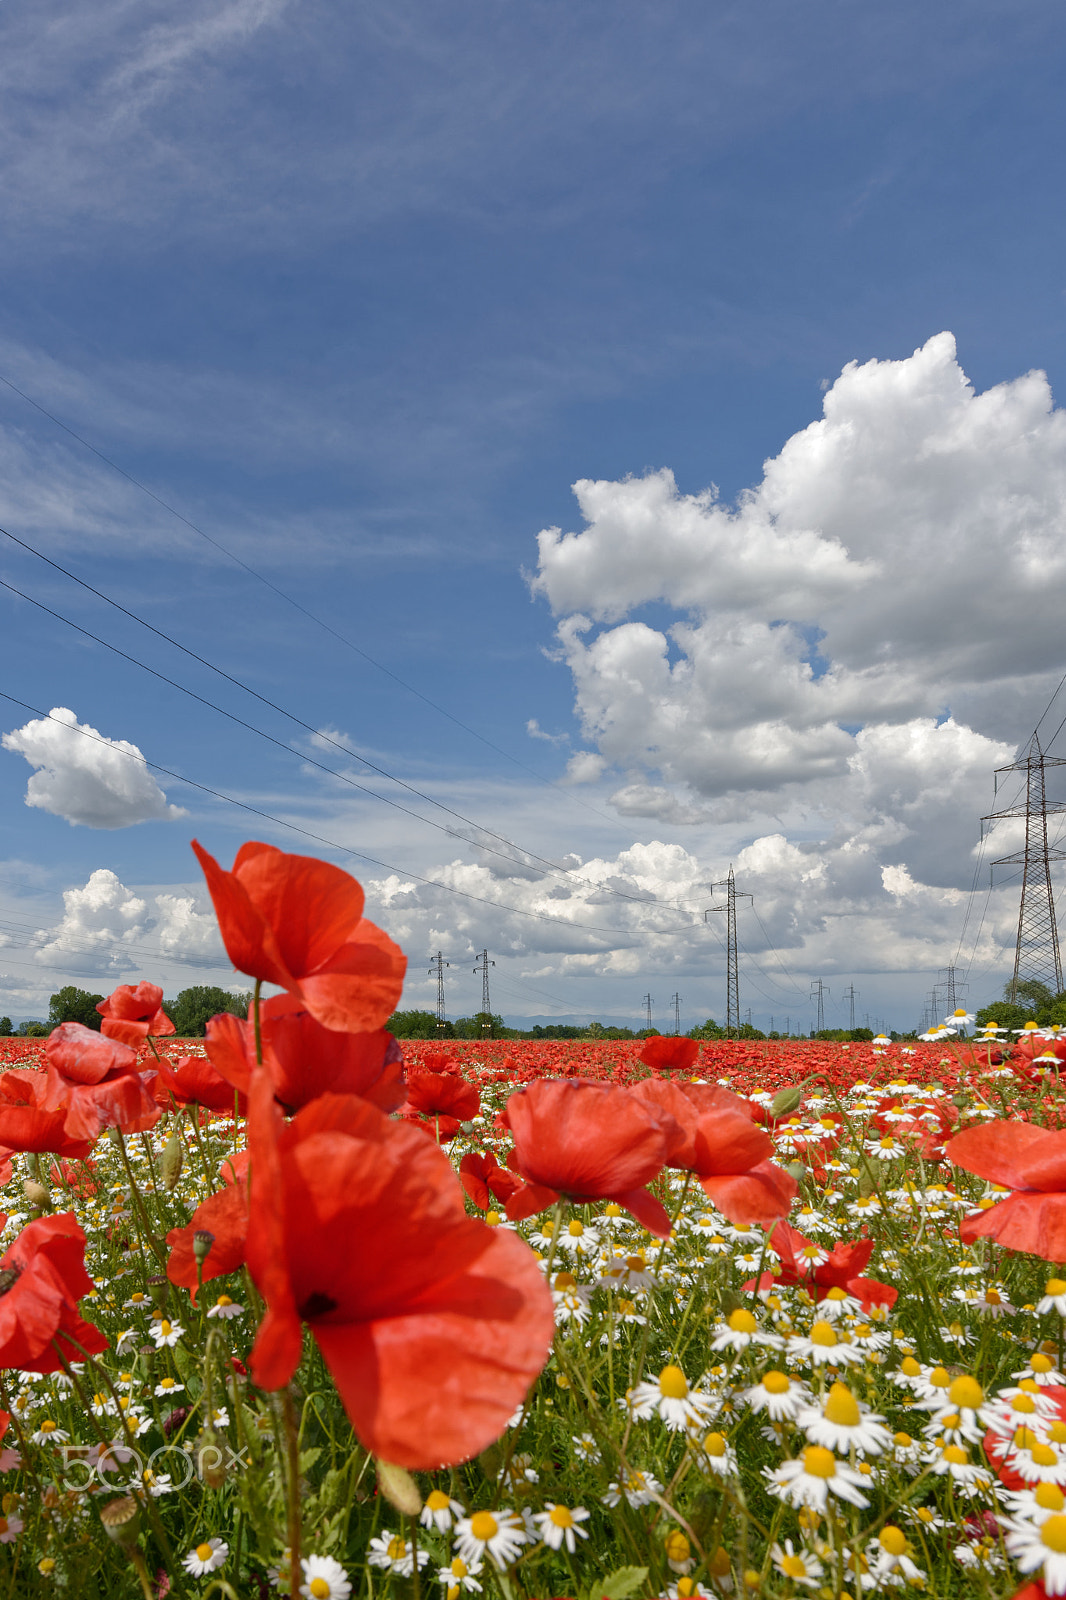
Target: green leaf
{"type": "Point", "coordinates": [621, 1583]}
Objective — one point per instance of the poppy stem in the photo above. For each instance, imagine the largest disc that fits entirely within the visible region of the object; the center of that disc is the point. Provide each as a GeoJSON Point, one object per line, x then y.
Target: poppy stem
{"type": "Point", "coordinates": [140, 1212]}
{"type": "Point", "coordinates": [292, 1443]}
{"type": "Point", "coordinates": [258, 1024]}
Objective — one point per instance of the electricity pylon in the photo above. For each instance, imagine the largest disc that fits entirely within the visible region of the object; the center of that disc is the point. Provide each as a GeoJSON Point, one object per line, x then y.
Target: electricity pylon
{"type": "Point", "coordinates": [1036, 953]}
{"type": "Point", "coordinates": [851, 996]}
{"type": "Point", "coordinates": [732, 974]}
{"type": "Point", "coordinates": [676, 1003]}
{"type": "Point", "coordinates": [818, 991]}
{"type": "Point", "coordinates": [483, 966]}
{"type": "Point", "coordinates": [647, 1004]}
{"type": "Point", "coordinates": [437, 965]}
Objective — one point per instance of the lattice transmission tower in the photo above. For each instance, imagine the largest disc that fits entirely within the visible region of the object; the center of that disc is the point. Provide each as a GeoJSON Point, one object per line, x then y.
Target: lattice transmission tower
{"type": "Point", "coordinates": [1036, 953]}
{"type": "Point", "coordinates": [483, 965]}
{"type": "Point", "coordinates": [437, 965]}
{"type": "Point", "coordinates": [732, 971]}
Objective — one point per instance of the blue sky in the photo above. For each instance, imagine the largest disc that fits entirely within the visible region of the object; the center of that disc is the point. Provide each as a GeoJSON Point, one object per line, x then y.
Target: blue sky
{"type": "Point", "coordinates": [362, 292]}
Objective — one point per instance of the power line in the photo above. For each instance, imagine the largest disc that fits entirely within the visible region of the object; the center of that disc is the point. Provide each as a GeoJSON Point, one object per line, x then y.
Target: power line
{"type": "Point", "coordinates": [304, 610]}
{"type": "Point", "coordinates": [543, 862]}
{"type": "Point", "coordinates": [331, 844]}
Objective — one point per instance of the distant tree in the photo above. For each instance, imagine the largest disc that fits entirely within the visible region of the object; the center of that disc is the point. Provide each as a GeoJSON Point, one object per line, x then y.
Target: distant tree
{"type": "Point", "coordinates": [6, 1030]}
{"type": "Point", "coordinates": [75, 1005]}
{"type": "Point", "coordinates": [193, 1009]}
{"type": "Point", "coordinates": [418, 1025]}
{"type": "Point", "coordinates": [1004, 1015]}
{"type": "Point", "coordinates": [1031, 993]}
{"type": "Point", "coordinates": [707, 1030]}
{"type": "Point", "coordinates": [555, 1030]}
{"type": "Point", "coordinates": [33, 1030]}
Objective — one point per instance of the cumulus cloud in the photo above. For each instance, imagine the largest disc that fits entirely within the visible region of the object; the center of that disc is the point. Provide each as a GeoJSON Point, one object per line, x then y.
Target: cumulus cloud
{"type": "Point", "coordinates": [856, 642]}
{"type": "Point", "coordinates": [85, 777]}
{"type": "Point", "coordinates": [111, 929]}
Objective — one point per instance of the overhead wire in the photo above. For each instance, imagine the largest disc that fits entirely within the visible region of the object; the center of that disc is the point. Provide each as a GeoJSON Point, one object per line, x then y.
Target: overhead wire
{"type": "Point", "coordinates": [305, 611]}
{"type": "Point", "coordinates": [333, 844]}
{"type": "Point", "coordinates": [543, 863]}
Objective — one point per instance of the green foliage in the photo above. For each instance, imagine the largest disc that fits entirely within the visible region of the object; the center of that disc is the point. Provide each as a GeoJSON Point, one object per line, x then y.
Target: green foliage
{"type": "Point", "coordinates": [418, 1025]}
{"type": "Point", "coordinates": [620, 1584]}
{"type": "Point", "coordinates": [6, 1030]}
{"type": "Point", "coordinates": [32, 1029]}
{"type": "Point", "coordinates": [707, 1030]}
{"type": "Point", "coordinates": [473, 1027]}
{"type": "Point", "coordinates": [193, 1009]}
{"type": "Point", "coordinates": [1004, 1015]}
{"type": "Point", "coordinates": [1032, 993]}
{"type": "Point", "coordinates": [75, 1005]}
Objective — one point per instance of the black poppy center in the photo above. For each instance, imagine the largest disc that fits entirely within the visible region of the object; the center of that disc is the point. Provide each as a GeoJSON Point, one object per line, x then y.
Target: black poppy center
{"type": "Point", "coordinates": [317, 1304]}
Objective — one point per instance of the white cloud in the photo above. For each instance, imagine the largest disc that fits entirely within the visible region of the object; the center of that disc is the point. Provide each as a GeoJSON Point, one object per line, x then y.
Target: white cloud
{"type": "Point", "coordinates": [85, 777]}
{"type": "Point", "coordinates": [111, 929]}
{"type": "Point", "coordinates": [860, 637]}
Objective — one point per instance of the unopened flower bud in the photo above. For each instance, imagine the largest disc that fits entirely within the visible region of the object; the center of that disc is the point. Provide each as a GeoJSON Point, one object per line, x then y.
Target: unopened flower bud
{"type": "Point", "coordinates": [35, 1193]}
{"type": "Point", "coordinates": [171, 1160]}
{"type": "Point", "coordinates": [209, 1455]}
{"type": "Point", "coordinates": [786, 1100]}
{"type": "Point", "coordinates": [121, 1520]}
{"type": "Point", "coordinates": [399, 1488]}
{"type": "Point", "coordinates": [202, 1240]}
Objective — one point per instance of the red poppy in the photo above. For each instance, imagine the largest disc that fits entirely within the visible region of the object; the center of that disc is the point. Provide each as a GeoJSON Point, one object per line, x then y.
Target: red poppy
{"type": "Point", "coordinates": [224, 1216]}
{"type": "Point", "coordinates": [298, 922]}
{"type": "Point", "coordinates": [131, 1014]}
{"type": "Point", "coordinates": [442, 1094]}
{"type": "Point", "coordinates": [485, 1180]}
{"type": "Point", "coordinates": [42, 1278]}
{"type": "Point", "coordinates": [432, 1324]}
{"type": "Point", "coordinates": [665, 1054]}
{"type": "Point", "coordinates": [26, 1124]}
{"type": "Point", "coordinates": [587, 1141]}
{"type": "Point", "coordinates": [800, 1267]}
{"type": "Point", "coordinates": [194, 1081]}
{"type": "Point", "coordinates": [713, 1137]}
{"type": "Point", "coordinates": [95, 1082]}
{"type": "Point", "coordinates": [1032, 1162]}
{"type": "Point", "coordinates": [304, 1059]}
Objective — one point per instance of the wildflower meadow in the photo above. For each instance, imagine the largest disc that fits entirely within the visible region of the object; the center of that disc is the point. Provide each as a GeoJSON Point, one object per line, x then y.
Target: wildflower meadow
{"type": "Point", "coordinates": [295, 1311]}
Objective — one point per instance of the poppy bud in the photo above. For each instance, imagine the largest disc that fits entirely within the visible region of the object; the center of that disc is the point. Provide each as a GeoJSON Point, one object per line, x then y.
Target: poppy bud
{"type": "Point", "coordinates": [867, 1186]}
{"type": "Point", "coordinates": [35, 1193]}
{"type": "Point", "coordinates": [466, 1127]}
{"type": "Point", "coordinates": [797, 1169]}
{"type": "Point", "coordinates": [210, 1463]}
{"type": "Point", "coordinates": [202, 1240]}
{"type": "Point", "coordinates": [786, 1100]}
{"type": "Point", "coordinates": [121, 1520]}
{"type": "Point", "coordinates": [157, 1287]}
{"type": "Point", "coordinates": [174, 1421]}
{"type": "Point", "coordinates": [399, 1488]}
{"type": "Point", "coordinates": [170, 1161]}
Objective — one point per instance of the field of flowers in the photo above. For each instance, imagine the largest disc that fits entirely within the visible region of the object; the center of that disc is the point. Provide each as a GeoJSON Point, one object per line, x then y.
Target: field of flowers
{"type": "Point", "coordinates": [290, 1312]}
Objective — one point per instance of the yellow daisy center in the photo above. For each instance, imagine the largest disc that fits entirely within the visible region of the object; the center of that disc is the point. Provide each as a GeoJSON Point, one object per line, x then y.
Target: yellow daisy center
{"type": "Point", "coordinates": [819, 1462]}
{"type": "Point", "coordinates": [318, 1588]}
{"type": "Point", "coordinates": [1053, 1534]}
{"type": "Point", "coordinates": [966, 1393]}
{"type": "Point", "coordinates": [893, 1539]}
{"type": "Point", "coordinates": [561, 1517]}
{"type": "Point", "coordinates": [1049, 1497]}
{"type": "Point", "coordinates": [673, 1385]}
{"type": "Point", "coordinates": [793, 1566]}
{"type": "Point", "coordinates": [204, 1552]}
{"type": "Point", "coordinates": [437, 1500]}
{"type": "Point", "coordinates": [742, 1321]}
{"type": "Point", "coordinates": [842, 1408]}
{"type": "Point", "coordinates": [824, 1334]}
{"type": "Point", "coordinates": [776, 1383]}
{"type": "Point", "coordinates": [483, 1526]}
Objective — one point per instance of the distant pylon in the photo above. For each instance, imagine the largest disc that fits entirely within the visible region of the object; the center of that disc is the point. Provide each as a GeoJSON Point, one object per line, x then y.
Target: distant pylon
{"type": "Point", "coordinates": [732, 973]}
{"type": "Point", "coordinates": [483, 965]}
{"type": "Point", "coordinates": [818, 992]}
{"type": "Point", "coordinates": [647, 1004]}
{"type": "Point", "coordinates": [1036, 953]}
{"type": "Point", "coordinates": [676, 1003]}
{"type": "Point", "coordinates": [437, 965]}
{"type": "Point", "coordinates": [850, 996]}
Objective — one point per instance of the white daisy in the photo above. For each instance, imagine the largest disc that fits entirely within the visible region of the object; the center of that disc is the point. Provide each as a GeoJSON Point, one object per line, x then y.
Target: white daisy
{"type": "Point", "coordinates": [439, 1511]}
{"type": "Point", "coordinates": [813, 1478]}
{"type": "Point", "coordinates": [206, 1557]}
{"type": "Point", "coordinates": [166, 1333]}
{"type": "Point", "coordinates": [49, 1432]}
{"type": "Point", "coordinates": [670, 1397]}
{"type": "Point", "coordinates": [579, 1240]}
{"type": "Point", "coordinates": [741, 1330]}
{"type": "Point", "coordinates": [168, 1386]}
{"type": "Point", "coordinates": [457, 1576]}
{"type": "Point", "coordinates": [636, 1489]}
{"type": "Point", "coordinates": [500, 1534]}
{"type": "Point", "coordinates": [559, 1524]}
{"type": "Point", "coordinates": [395, 1554]}
{"type": "Point", "coordinates": [224, 1306]}
{"type": "Point", "coordinates": [778, 1395]}
{"type": "Point", "coordinates": [1040, 1545]}
{"type": "Point", "coordinates": [822, 1347]}
{"type": "Point", "coordinates": [1054, 1298]}
{"type": "Point", "coordinates": [799, 1566]}
{"type": "Point", "coordinates": [324, 1579]}
{"type": "Point", "coordinates": [843, 1425]}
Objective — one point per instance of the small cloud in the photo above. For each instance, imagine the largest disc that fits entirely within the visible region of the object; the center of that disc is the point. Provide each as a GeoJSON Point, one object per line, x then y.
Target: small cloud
{"type": "Point", "coordinates": [655, 800]}
{"type": "Point", "coordinates": [535, 731]}
{"type": "Point", "coordinates": [585, 767]}
{"type": "Point", "coordinates": [86, 778]}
